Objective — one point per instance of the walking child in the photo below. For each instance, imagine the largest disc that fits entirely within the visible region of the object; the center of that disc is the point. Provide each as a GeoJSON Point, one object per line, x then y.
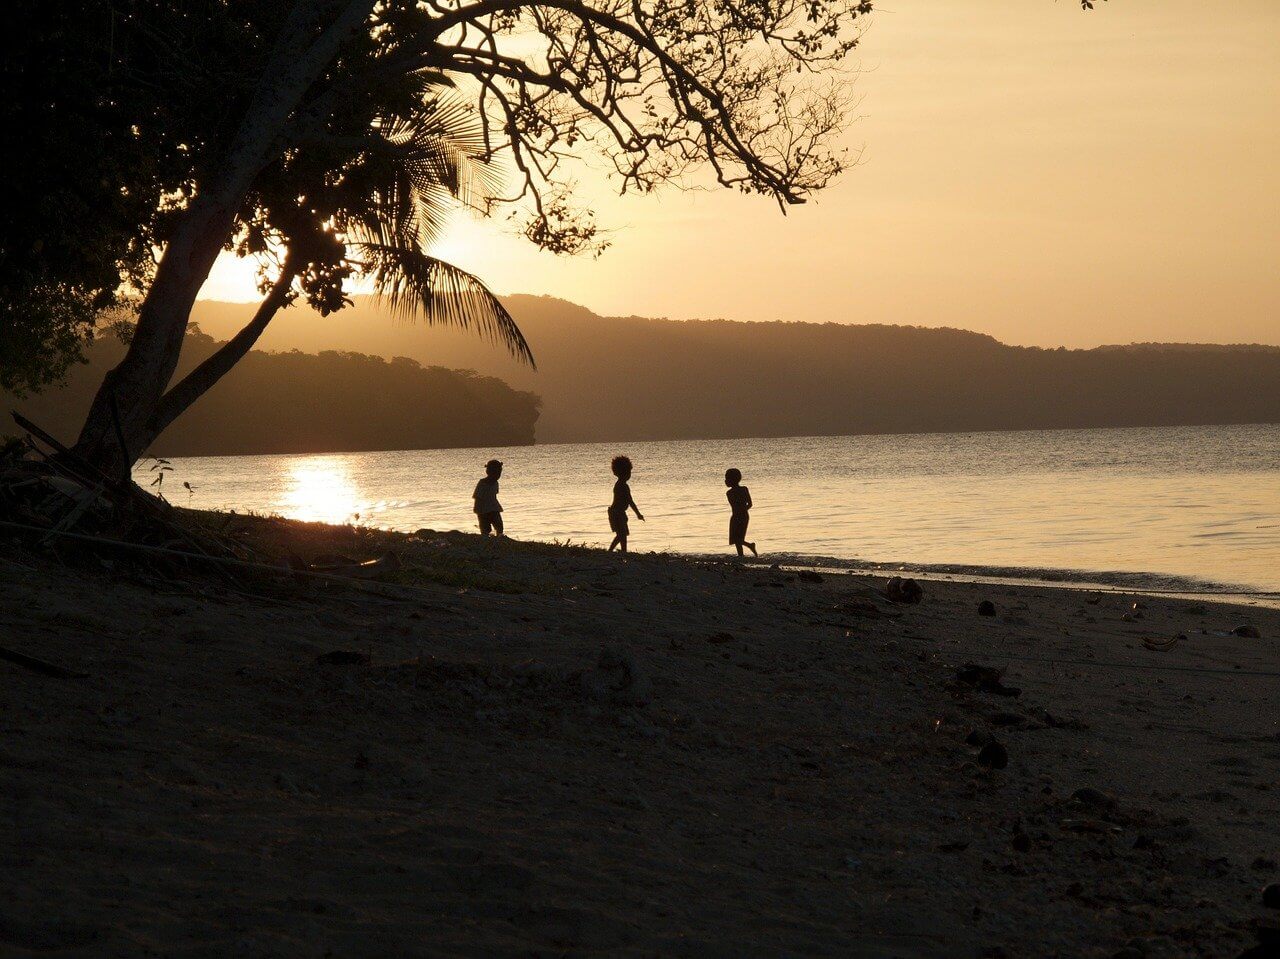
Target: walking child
{"type": "Point", "coordinates": [740, 503]}
{"type": "Point", "coordinates": [622, 500]}
{"type": "Point", "coordinates": [488, 509]}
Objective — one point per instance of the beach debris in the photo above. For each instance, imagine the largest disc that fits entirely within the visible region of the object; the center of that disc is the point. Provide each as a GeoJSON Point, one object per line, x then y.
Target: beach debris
{"type": "Point", "coordinates": [899, 590]}
{"type": "Point", "coordinates": [1092, 798]}
{"type": "Point", "coordinates": [343, 657]}
{"type": "Point", "coordinates": [1271, 895]}
{"type": "Point", "coordinates": [986, 608]}
{"type": "Point", "coordinates": [40, 666]}
{"type": "Point", "coordinates": [1247, 631]}
{"type": "Point", "coordinates": [617, 678]}
{"type": "Point", "coordinates": [993, 755]}
{"type": "Point", "coordinates": [1159, 645]}
{"type": "Point", "coordinates": [719, 639]}
{"type": "Point", "coordinates": [985, 679]}
{"type": "Point", "coordinates": [809, 576]}
{"type": "Point", "coordinates": [336, 565]}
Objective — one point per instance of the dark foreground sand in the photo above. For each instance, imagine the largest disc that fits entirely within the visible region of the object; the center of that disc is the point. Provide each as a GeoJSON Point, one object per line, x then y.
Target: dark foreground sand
{"type": "Point", "coordinates": [553, 752]}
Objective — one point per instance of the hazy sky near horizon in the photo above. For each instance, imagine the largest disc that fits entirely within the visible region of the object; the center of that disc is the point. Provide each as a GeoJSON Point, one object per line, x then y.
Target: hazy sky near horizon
{"type": "Point", "coordinates": [1029, 170]}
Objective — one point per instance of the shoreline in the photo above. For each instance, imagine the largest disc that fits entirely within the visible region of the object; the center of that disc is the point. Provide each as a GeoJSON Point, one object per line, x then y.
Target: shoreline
{"type": "Point", "coordinates": [512, 748]}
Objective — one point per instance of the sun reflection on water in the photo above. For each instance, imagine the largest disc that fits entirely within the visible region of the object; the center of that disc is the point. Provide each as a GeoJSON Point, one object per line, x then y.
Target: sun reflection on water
{"type": "Point", "coordinates": [320, 489]}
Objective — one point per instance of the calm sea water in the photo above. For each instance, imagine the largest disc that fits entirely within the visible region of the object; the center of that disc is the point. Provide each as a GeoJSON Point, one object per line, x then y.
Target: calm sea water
{"type": "Point", "coordinates": [1182, 508]}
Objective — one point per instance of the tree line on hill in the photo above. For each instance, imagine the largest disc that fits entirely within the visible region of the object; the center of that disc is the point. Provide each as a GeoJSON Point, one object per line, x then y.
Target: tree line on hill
{"type": "Point", "coordinates": [631, 378]}
{"type": "Point", "coordinates": [295, 402]}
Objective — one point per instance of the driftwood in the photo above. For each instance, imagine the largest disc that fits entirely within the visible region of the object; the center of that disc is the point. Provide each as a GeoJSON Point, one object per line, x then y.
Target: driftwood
{"type": "Point", "coordinates": [39, 665]}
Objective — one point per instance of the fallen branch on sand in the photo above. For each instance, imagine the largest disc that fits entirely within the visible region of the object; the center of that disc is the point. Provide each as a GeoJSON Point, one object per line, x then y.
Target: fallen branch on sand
{"type": "Point", "coordinates": [40, 666]}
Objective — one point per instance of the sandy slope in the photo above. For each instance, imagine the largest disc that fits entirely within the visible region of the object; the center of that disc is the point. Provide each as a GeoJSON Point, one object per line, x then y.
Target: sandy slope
{"type": "Point", "coordinates": [566, 763]}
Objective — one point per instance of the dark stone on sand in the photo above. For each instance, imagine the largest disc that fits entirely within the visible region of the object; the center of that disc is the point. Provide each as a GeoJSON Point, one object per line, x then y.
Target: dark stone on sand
{"type": "Point", "coordinates": [899, 590]}
{"type": "Point", "coordinates": [985, 679]}
{"type": "Point", "coordinates": [1093, 798]}
{"type": "Point", "coordinates": [978, 737]}
{"type": "Point", "coordinates": [986, 608]}
{"type": "Point", "coordinates": [343, 657]}
{"type": "Point", "coordinates": [1271, 896]}
{"type": "Point", "coordinates": [809, 576]}
{"type": "Point", "coordinates": [993, 755]}
{"type": "Point", "coordinates": [1248, 632]}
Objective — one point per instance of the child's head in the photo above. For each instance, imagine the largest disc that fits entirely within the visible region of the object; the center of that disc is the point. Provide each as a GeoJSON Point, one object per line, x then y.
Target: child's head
{"type": "Point", "coordinates": [493, 469]}
{"type": "Point", "coordinates": [621, 466]}
{"type": "Point", "coordinates": [732, 477]}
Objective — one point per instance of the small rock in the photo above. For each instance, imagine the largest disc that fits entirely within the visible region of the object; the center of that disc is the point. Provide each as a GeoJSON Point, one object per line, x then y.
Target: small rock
{"type": "Point", "coordinates": [986, 608]}
{"type": "Point", "coordinates": [985, 679]}
{"type": "Point", "coordinates": [1093, 798]}
{"type": "Point", "coordinates": [1248, 632]}
{"type": "Point", "coordinates": [993, 755]}
{"type": "Point", "coordinates": [1271, 896]}
{"type": "Point", "coordinates": [899, 590]}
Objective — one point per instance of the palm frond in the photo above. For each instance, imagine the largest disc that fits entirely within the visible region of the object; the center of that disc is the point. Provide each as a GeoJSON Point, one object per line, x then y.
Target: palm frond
{"type": "Point", "coordinates": [416, 287]}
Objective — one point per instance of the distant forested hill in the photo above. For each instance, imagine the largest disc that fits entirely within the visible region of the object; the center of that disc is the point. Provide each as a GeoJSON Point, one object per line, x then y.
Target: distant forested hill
{"type": "Point", "coordinates": [619, 378]}
{"type": "Point", "coordinates": [294, 402]}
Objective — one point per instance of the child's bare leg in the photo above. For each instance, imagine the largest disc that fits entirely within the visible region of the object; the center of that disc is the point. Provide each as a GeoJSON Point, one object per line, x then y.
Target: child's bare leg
{"type": "Point", "coordinates": [622, 544]}
{"type": "Point", "coordinates": [614, 543]}
{"type": "Point", "coordinates": [750, 546]}
{"type": "Point", "coordinates": [739, 546]}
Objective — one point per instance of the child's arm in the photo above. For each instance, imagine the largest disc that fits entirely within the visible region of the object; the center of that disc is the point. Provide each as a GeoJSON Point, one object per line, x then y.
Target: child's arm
{"type": "Point", "coordinates": [639, 515]}
{"type": "Point", "coordinates": [749, 503]}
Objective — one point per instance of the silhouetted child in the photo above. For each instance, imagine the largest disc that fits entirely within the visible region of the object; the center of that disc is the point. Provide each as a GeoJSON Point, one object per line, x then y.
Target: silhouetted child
{"type": "Point", "coordinates": [740, 502]}
{"type": "Point", "coordinates": [622, 500]}
{"type": "Point", "coordinates": [488, 509]}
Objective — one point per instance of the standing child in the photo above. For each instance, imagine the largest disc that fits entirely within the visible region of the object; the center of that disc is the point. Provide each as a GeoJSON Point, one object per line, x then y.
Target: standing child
{"type": "Point", "coordinates": [740, 502]}
{"type": "Point", "coordinates": [622, 500]}
{"type": "Point", "coordinates": [488, 509]}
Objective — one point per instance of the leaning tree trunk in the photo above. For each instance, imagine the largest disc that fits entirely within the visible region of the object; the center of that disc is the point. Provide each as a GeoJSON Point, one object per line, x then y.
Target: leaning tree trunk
{"type": "Point", "coordinates": [116, 431]}
{"type": "Point", "coordinates": [201, 379]}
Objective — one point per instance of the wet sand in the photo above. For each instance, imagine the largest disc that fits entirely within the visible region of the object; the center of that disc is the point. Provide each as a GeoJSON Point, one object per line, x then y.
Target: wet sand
{"type": "Point", "coordinates": [551, 751]}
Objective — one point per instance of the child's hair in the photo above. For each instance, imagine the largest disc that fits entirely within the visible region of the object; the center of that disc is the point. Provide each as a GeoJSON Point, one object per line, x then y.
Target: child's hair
{"type": "Point", "coordinates": [492, 467]}
{"type": "Point", "coordinates": [733, 476]}
{"type": "Point", "coordinates": [620, 464]}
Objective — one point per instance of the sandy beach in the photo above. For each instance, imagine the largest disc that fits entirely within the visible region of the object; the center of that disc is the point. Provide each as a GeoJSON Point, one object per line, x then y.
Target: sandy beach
{"type": "Point", "coordinates": [533, 750]}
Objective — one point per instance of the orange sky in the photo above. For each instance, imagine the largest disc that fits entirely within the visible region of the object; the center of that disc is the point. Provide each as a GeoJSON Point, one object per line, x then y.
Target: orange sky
{"type": "Point", "coordinates": [1048, 176]}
